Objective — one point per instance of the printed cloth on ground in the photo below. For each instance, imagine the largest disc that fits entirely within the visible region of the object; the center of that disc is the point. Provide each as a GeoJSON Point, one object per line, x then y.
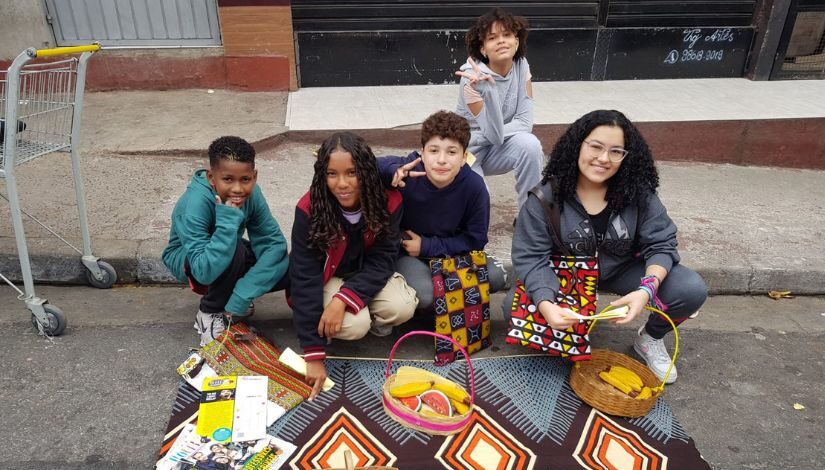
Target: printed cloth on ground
{"type": "Point", "coordinates": [230, 356]}
{"type": "Point", "coordinates": [527, 417]}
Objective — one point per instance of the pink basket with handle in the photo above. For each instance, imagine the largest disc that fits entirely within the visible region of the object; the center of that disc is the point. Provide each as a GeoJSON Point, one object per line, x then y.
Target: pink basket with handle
{"type": "Point", "coordinates": [436, 425]}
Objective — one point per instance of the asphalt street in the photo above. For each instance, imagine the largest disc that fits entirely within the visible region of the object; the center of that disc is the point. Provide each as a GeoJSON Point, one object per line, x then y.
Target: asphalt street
{"type": "Point", "coordinates": [100, 395]}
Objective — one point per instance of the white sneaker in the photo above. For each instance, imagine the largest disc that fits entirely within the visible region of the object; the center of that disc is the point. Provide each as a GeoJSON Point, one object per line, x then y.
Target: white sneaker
{"type": "Point", "coordinates": [380, 330]}
{"type": "Point", "coordinates": [654, 352]}
{"type": "Point", "coordinates": [209, 326]}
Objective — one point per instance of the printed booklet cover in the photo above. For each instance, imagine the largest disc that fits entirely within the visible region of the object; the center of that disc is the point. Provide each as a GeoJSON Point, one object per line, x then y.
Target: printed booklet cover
{"type": "Point", "coordinates": [193, 452]}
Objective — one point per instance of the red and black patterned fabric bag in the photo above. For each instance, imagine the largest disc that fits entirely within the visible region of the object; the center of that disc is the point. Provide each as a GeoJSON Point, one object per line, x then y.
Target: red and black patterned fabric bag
{"type": "Point", "coordinates": [578, 280]}
{"type": "Point", "coordinates": [578, 290]}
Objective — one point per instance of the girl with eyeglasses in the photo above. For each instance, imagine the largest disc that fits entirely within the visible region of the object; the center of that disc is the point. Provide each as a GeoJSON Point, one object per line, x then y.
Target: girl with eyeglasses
{"type": "Point", "coordinates": [602, 176]}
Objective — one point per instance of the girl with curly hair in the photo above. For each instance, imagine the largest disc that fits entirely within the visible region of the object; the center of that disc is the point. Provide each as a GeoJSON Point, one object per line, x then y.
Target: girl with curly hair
{"type": "Point", "coordinates": [345, 240]}
{"type": "Point", "coordinates": [497, 99]}
{"type": "Point", "coordinates": [602, 177]}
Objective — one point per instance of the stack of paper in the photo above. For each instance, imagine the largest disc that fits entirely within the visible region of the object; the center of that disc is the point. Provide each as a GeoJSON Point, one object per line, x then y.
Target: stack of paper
{"type": "Point", "coordinates": [233, 408]}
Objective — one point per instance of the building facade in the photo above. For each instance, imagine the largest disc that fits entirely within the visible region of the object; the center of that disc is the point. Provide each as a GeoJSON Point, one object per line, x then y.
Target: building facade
{"type": "Point", "coordinates": [283, 44]}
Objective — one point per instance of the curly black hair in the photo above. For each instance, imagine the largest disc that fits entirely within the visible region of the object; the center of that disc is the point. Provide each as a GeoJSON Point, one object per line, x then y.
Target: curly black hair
{"type": "Point", "coordinates": [637, 175]}
{"type": "Point", "coordinates": [478, 31]}
{"type": "Point", "coordinates": [325, 225]}
{"type": "Point", "coordinates": [231, 148]}
{"type": "Point", "coordinates": [447, 125]}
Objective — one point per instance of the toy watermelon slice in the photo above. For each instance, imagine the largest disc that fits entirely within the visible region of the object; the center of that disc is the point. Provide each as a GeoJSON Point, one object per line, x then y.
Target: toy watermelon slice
{"type": "Point", "coordinates": [413, 403]}
{"type": "Point", "coordinates": [438, 402]}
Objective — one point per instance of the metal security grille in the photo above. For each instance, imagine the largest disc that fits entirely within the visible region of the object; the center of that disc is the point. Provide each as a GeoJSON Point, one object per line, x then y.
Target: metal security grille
{"type": "Point", "coordinates": [382, 42]}
{"type": "Point", "coordinates": [371, 42]}
{"type": "Point", "coordinates": [674, 13]}
{"type": "Point", "coordinates": [135, 22]}
{"type": "Point", "coordinates": [803, 42]}
{"type": "Point", "coordinates": [420, 15]}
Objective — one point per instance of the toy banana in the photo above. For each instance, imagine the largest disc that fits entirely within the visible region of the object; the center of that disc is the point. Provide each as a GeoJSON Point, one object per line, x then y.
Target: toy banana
{"type": "Point", "coordinates": [460, 407]}
{"type": "Point", "coordinates": [408, 375]}
{"type": "Point", "coordinates": [627, 376]}
{"type": "Point", "coordinates": [410, 390]}
{"type": "Point", "coordinates": [453, 392]}
{"type": "Point", "coordinates": [616, 382]}
{"type": "Point", "coordinates": [645, 393]}
{"type": "Point", "coordinates": [430, 413]}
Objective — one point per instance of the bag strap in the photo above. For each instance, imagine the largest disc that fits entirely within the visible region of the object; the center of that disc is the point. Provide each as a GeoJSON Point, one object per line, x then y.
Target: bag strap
{"type": "Point", "coordinates": [553, 215]}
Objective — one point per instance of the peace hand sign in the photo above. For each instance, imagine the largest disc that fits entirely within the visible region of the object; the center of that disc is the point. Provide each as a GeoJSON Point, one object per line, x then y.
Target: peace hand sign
{"type": "Point", "coordinates": [405, 171]}
{"type": "Point", "coordinates": [475, 76]}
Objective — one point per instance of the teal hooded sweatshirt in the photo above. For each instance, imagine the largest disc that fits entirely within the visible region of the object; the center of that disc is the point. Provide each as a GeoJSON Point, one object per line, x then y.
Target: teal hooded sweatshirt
{"type": "Point", "coordinates": [207, 233]}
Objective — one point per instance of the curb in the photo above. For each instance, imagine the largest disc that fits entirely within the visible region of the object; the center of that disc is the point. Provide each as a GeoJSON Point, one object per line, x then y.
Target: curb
{"type": "Point", "coordinates": [739, 142]}
{"type": "Point", "coordinates": [148, 269]}
{"type": "Point", "coordinates": [761, 142]}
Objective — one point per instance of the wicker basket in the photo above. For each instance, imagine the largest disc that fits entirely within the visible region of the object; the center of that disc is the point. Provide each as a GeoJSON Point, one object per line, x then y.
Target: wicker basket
{"type": "Point", "coordinates": [435, 425]}
{"type": "Point", "coordinates": [585, 381]}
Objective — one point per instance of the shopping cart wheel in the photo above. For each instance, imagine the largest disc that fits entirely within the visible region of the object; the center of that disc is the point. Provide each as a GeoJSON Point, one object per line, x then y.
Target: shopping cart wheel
{"type": "Point", "coordinates": [57, 321]}
{"type": "Point", "coordinates": [109, 276]}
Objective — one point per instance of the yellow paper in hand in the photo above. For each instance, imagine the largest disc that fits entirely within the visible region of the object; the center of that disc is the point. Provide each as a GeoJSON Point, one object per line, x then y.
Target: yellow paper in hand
{"type": "Point", "coordinates": [299, 365]}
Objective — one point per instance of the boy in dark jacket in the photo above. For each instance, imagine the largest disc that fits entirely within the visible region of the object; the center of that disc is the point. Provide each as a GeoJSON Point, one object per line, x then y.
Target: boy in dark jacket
{"type": "Point", "coordinates": [206, 244]}
{"type": "Point", "coordinates": [439, 177]}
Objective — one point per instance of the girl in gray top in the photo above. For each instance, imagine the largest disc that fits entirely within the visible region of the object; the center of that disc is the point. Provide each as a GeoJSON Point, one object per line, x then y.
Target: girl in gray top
{"type": "Point", "coordinates": [602, 175]}
{"type": "Point", "coordinates": [497, 99]}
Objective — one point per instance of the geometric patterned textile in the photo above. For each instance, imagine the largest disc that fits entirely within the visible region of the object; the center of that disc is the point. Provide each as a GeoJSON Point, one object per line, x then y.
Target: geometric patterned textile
{"type": "Point", "coordinates": [184, 411]}
{"type": "Point", "coordinates": [485, 444]}
{"type": "Point", "coordinates": [605, 444]}
{"type": "Point", "coordinates": [528, 417]}
{"type": "Point", "coordinates": [340, 433]}
{"type": "Point", "coordinates": [461, 299]}
{"type": "Point", "coordinates": [578, 290]}
{"type": "Point", "coordinates": [229, 356]}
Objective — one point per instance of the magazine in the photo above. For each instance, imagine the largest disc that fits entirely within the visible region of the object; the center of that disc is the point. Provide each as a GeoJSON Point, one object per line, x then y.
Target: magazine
{"type": "Point", "coordinates": [268, 453]}
{"type": "Point", "coordinates": [185, 445]}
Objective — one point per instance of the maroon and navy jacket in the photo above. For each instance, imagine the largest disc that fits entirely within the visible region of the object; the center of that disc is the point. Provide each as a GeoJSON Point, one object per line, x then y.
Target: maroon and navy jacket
{"type": "Point", "coordinates": [311, 268]}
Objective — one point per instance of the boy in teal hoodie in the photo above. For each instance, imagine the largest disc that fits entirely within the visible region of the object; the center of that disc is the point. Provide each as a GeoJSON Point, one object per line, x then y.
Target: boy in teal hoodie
{"type": "Point", "coordinates": [206, 244]}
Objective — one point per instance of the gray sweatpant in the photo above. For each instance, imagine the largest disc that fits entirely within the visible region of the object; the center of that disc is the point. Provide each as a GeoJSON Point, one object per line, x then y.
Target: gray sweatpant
{"type": "Point", "coordinates": [418, 276]}
{"type": "Point", "coordinates": [520, 152]}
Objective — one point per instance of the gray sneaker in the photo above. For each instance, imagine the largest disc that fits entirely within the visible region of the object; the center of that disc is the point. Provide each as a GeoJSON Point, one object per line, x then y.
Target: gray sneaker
{"type": "Point", "coordinates": [209, 326]}
{"type": "Point", "coordinates": [380, 330]}
{"type": "Point", "coordinates": [654, 352]}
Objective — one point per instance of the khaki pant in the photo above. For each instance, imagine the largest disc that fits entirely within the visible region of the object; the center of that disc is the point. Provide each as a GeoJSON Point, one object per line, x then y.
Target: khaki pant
{"type": "Point", "coordinates": [393, 305]}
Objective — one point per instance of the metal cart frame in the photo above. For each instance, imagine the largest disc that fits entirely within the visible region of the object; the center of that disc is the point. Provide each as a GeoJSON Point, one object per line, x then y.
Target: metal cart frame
{"type": "Point", "coordinates": [42, 106]}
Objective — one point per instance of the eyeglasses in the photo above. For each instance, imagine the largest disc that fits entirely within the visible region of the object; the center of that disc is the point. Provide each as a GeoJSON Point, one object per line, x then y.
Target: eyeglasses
{"type": "Point", "coordinates": [597, 149]}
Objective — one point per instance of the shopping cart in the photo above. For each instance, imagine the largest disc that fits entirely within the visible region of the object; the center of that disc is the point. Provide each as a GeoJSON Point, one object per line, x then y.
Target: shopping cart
{"type": "Point", "coordinates": [41, 104]}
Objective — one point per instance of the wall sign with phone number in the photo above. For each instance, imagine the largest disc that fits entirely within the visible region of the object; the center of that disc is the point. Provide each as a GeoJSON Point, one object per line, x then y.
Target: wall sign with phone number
{"type": "Point", "coordinates": [699, 46]}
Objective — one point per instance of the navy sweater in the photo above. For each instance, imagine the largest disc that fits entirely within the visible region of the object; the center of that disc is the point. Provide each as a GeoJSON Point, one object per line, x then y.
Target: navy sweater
{"type": "Point", "coordinates": [452, 220]}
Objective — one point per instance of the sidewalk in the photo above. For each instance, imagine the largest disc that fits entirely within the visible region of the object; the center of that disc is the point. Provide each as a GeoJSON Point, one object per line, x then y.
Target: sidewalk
{"type": "Point", "coordinates": [745, 229]}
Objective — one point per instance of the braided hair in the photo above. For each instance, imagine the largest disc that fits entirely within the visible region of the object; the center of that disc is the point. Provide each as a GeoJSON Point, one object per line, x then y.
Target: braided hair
{"type": "Point", "coordinates": [637, 176]}
{"type": "Point", "coordinates": [230, 148]}
{"type": "Point", "coordinates": [325, 223]}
